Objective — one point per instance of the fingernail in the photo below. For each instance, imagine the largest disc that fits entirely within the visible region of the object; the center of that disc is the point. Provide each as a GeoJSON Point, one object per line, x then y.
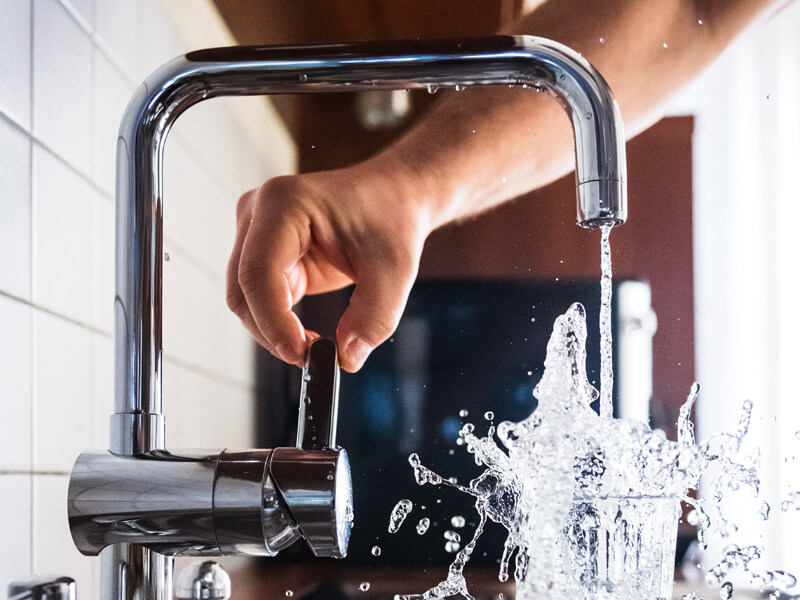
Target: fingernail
{"type": "Point", "coordinates": [358, 349]}
{"type": "Point", "coordinates": [286, 353]}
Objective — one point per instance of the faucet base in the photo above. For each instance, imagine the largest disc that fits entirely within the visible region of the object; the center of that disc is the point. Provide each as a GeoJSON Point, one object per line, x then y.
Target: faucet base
{"type": "Point", "coordinates": [185, 504]}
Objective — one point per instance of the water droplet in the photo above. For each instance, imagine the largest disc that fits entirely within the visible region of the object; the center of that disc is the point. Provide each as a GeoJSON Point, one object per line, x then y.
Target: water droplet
{"type": "Point", "coordinates": [588, 118]}
{"type": "Point", "coordinates": [460, 88]}
{"type": "Point", "coordinates": [666, 45]}
{"type": "Point", "coordinates": [699, 21]}
{"type": "Point", "coordinates": [376, 551]}
{"type": "Point", "coordinates": [399, 514]}
{"type": "Point", "coordinates": [452, 547]}
{"type": "Point", "coordinates": [602, 40]}
{"type": "Point", "coordinates": [769, 96]}
{"type": "Point", "coordinates": [488, 415]}
{"type": "Point", "coordinates": [458, 521]}
{"type": "Point", "coordinates": [330, 476]}
{"type": "Point", "coordinates": [166, 256]}
{"type": "Point", "coordinates": [432, 89]}
{"type": "Point", "coordinates": [463, 413]}
{"type": "Point", "coordinates": [364, 586]}
{"type": "Point", "coordinates": [726, 591]}
{"type": "Point", "coordinates": [310, 417]}
{"type": "Point", "coordinates": [423, 525]}
{"type": "Point", "coordinates": [451, 452]}
{"type": "Point", "coordinates": [452, 536]}
{"type": "Point", "coordinates": [453, 480]}
{"type": "Point", "coordinates": [797, 434]}
{"type": "Point", "coordinates": [466, 429]}
{"type": "Point", "coordinates": [303, 77]}
{"type": "Point", "coordinates": [289, 593]}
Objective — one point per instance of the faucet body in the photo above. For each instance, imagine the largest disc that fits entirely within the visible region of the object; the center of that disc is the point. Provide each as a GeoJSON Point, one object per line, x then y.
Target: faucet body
{"type": "Point", "coordinates": [135, 566]}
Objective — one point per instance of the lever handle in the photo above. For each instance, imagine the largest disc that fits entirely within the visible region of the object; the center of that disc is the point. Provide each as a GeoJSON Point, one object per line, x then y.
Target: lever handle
{"type": "Point", "coordinates": [319, 397]}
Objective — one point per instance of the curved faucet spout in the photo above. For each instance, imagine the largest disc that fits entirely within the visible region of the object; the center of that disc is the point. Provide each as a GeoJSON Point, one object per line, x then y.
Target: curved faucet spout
{"type": "Point", "coordinates": [137, 426]}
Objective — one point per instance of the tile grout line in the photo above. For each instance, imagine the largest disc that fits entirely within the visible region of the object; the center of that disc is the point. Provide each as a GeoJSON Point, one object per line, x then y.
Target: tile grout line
{"type": "Point", "coordinates": [93, 231]}
{"type": "Point", "coordinates": [208, 373]}
{"type": "Point", "coordinates": [88, 326]}
{"type": "Point", "coordinates": [185, 364]}
{"type": "Point", "coordinates": [32, 472]}
{"type": "Point", "coordinates": [32, 410]}
{"type": "Point", "coordinates": [13, 123]}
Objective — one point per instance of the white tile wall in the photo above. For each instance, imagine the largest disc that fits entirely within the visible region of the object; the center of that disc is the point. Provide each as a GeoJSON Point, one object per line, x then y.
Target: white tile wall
{"type": "Point", "coordinates": [158, 40]}
{"type": "Point", "coordinates": [102, 387]}
{"type": "Point", "coordinates": [62, 237]}
{"type": "Point", "coordinates": [116, 30]}
{"type": "Point", "coordinates": [16, 546]}
{"type": "Point", "coordinates": [53, 550]}
{"type": "Point", "coordinates": [15, 210]}
{"type": "Point", "coordinates": [15, 386]}
{"type": "Point", "coordinates": [62, 83]}
{"type": "Point", "coordinates": [67, 69]}
{"type": "Point", "coordinates": [221, 411]}
{"type": "Point", "coordinates": [111, 94]}
{"type": "Point", "coordinates": [15, 61]}
{"type": "Point", "coordinates": [62, 392]}
{"type": "Point", "coordinates": [102, 263]}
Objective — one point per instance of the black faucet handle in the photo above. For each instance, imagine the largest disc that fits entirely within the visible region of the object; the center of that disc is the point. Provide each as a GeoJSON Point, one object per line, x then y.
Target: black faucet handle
{"type": "Point", "coordinates": [319, 397]}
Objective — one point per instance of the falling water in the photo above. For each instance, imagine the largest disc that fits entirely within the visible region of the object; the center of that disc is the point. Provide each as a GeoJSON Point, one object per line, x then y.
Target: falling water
{"type": "Point", "coordinates": [606, 350]}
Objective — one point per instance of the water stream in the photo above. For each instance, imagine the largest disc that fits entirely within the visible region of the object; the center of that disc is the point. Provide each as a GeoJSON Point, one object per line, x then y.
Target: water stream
{"type": "Point", "coordinates": [606, 348]}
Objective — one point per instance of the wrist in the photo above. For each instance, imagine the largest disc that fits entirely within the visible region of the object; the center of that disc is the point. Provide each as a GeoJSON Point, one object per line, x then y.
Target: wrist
{"type": "Point", "coordinates": [411, 176]}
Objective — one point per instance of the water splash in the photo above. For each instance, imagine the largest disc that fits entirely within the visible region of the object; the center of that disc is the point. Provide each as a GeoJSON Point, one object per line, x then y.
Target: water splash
{"type": "Point", "coordinates": [423, 525]}
{"type": "Point", "coordinates": [399, 514]}
{"type": "Point", "coordinates": [590, 503]}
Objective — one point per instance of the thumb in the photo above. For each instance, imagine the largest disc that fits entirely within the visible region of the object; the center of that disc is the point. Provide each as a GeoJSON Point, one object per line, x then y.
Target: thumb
{"type": "Point", "coordinates": [376, 305]}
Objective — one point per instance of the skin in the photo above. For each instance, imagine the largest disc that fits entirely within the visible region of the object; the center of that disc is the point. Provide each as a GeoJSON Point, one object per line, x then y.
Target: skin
{"type": "Point", "coordinates": [366, 224]}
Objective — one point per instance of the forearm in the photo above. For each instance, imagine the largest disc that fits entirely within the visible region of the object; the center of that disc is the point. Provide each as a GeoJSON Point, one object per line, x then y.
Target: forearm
{"type": "Point", "coordinates": [483, 146]}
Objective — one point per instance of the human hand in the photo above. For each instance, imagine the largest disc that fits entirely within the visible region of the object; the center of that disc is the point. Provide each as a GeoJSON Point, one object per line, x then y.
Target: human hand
{"type": "Point", "coordinates": [313, 233]}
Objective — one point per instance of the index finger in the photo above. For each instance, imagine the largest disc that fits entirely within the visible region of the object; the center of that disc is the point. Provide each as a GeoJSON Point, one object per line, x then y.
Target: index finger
{"type": "Point", "coordinates": [272, 248]}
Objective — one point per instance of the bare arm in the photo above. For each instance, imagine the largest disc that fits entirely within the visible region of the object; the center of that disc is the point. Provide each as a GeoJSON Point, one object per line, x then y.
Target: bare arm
{"type": "Point", "coordinates": [367, 223]}
{"type": "Point", "coordinates": [501, 143]}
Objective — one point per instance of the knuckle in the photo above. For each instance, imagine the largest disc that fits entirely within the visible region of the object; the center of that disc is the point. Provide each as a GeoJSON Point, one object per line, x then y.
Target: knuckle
{"type": "Point", "coordinates": [243, 206]}
{"type": "Point", "coordinates": [250, 276]}
{"type": "Point", "coordinates": [236, 302]}
{"type": "Point", "coordinates": [379, 324]}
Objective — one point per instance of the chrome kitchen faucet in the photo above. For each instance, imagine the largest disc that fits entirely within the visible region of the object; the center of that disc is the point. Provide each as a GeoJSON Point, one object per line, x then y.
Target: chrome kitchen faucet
{"type": "Point", "coordinates": [140, 505]}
